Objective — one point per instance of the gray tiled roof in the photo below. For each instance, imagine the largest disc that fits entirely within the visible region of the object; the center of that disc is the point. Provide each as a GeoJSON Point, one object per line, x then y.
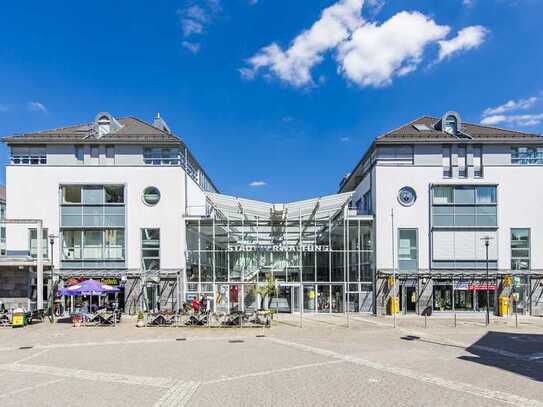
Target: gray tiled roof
{"type": "Point", "coordinates": [132, 130]}
{"type": "Point", "coordinates": [409, 133]}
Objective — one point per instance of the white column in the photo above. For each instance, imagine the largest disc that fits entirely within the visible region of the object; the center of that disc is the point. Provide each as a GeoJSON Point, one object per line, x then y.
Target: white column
{"type": "Point", "coordinates": [39, 263]}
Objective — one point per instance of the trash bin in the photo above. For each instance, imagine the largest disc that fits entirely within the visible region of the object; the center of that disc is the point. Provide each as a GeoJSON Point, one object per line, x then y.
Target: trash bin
{"type": "Point", "coordinates": [503, 306]}
{"type": "Point", "coordinates": [393, 305]}
{"type": "Point", "coordinates": [18, 319]}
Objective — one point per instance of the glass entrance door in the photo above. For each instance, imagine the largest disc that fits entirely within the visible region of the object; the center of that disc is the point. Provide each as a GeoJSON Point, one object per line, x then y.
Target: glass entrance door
{"type": "Point", "coordinates": [288, 299]}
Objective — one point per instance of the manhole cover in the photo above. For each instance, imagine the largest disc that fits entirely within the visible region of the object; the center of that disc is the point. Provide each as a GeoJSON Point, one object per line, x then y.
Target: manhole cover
{"type": "Point", "coordinates": [235, 341]}
{"type": "Point", "coordinates": [180, 339]}
{"type": "Point", "coordinates": [25, 347]}
{"type": "Point", "coordinates": [261, 336]}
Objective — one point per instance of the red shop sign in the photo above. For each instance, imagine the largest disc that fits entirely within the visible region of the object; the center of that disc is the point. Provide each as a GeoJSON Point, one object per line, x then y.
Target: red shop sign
{"type": "Point", "coordinates": [482, 287]}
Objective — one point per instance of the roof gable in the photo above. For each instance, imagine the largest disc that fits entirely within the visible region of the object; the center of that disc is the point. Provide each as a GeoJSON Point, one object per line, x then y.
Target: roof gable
{"type": "Point", "coordinates": [411, 132]}
{"type": "Point", "coordinates": [132, 130]}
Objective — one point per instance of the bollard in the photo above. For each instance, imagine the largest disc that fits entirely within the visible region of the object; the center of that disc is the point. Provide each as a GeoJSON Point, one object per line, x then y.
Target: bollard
{"type": "Point", "coordinates": [455, 319]}
{"type": "Point", "coordinates": [516, 320]}
{"type": "Point", "coordinates": [425, 321]}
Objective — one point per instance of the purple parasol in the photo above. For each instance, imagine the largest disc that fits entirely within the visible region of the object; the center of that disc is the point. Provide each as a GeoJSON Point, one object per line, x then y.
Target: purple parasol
{"type": "Point", "coordinates": [88, 287]}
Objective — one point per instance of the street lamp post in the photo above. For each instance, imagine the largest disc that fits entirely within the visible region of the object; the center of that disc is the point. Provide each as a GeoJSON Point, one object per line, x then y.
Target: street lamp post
{"type": "Point", "coordinates": [52, 293]}
{"type": "Point", "coordinates": [487, 239]}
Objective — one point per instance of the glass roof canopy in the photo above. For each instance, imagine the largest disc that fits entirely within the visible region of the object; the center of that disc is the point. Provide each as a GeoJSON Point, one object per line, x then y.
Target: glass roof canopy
{"type": "Point", "coordinates": [240, 208]}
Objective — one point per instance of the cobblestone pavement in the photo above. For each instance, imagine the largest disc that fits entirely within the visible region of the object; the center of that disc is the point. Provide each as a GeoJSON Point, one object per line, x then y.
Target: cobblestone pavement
{"type": "Point", "coordinates": [331, 360]}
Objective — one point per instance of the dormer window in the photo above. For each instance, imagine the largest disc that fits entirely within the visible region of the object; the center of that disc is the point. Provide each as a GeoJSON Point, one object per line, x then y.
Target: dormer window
{"type": "Point", "coordinates": [104, 125]}
{"type": "Point", "coordinates": [450, 125]}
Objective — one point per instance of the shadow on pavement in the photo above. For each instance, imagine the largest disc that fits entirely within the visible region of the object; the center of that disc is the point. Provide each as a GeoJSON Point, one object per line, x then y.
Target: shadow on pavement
{"type": "Point", "coordinates": [527, 350]}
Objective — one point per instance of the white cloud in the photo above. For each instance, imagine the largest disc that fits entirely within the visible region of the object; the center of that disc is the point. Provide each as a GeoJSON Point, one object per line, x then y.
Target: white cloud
{"type": "Point", "coordinates": [524, 120]}
{"type": "Point", "coordinates": [367, 53]}
{"type": "Point", "coordinates": [467, 3]}
{"type": "Point", "coordinates": [466, 39]}
{"type": "Point", "coordinates": [344, 139]}
{"type": "Point", "coordinates": [294, 64]}
{"type": "Point", "coordinates": [257, 184]}
{"type": "Point", "coordinates": [4, 108]}
{"type": "Point", "coordinates": [377, 53]}
{"type": "Point", "coordinates": [195, 19]}
{"type": "Point", "coordinates": [193, 47]}
{"type": "Point", "coordinates": [512, 105]}
{"type": "Point", "coordinates": [37, 107]}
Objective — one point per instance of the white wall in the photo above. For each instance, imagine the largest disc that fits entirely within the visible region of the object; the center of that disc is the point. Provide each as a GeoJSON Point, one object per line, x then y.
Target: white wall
{"type": "Point", "coordinates": [519, 199]}
{"type": "Point", "coordinates": [33, 192]}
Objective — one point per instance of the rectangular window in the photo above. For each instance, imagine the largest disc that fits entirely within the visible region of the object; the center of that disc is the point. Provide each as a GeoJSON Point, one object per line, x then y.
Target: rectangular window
{"type": "Point", "coordinates": [114, 244]}
{"type": "Point", "coordinates": [477, 161]}
{"type": "Point", "coordinates": [33, 243]}
{"type": "Point", "coordinates": [446, 158]}
{"type": "Point", "coordinates": [79, 153]}
{"type": "Point", "coordinates": [28, 155]}
{"type": "Point", "coordinates": [407, 250]}
{"type": "Point", "coordinates": [71, 244]}
{"type": "Point", "coordinates": [464, 195]}
{"type": "Point", "coordinates": [367, 203]}
{"type": "Point", "coordinates": [114, 193]}
{"type": "Point", "coordinates": [527, 155]}
{"type": "Point", "coordinates": [161, 156]}
{"type": "Point", "coordinates": [462, 161]}
{"type": "Point", "coordinates": [94, 151]}
{"type": "Point", "coordinates": [71, 194]}
{"type": "Point", "coordinates": [520, 249]}
{"type": "Point", "coordinates": [93, 195]}
{"type": "Point", "coordinates": [150, 249]}
{"type": "Point", "coordinates": [110, 151]}
{"type": "Point", "coordinates": [464, 206]}
{"type": "Point", "coordinates": [443, 195]}
{"type": "Point", "coordinates": [92, 244]}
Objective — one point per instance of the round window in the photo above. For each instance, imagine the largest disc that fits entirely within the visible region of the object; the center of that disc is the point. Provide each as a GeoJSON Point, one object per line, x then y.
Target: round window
{"type": "Point", "coordinates": [151, 196]}
{"type": "Point", "coordinates": [407, 196]}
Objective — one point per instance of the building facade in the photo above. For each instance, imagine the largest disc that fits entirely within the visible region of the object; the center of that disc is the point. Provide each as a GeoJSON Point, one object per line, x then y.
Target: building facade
{"type": "Point", "coordinates": [438, 188]}
{"type": "Point", "coordinates": [125, 201]}
{"type": "Point", "coordinates": [111, 196]}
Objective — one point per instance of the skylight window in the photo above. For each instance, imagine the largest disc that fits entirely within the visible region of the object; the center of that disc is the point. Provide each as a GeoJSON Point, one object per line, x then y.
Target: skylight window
{"type": "Point", "coordinates": [421, 127]}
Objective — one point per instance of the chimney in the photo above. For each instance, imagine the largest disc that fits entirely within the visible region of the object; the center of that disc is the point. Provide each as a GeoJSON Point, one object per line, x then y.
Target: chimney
{"type": "Point", "coordinates": [160, 124]}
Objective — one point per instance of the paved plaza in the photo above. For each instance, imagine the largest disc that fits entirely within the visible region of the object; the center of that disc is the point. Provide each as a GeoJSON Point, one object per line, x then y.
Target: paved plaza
{"type": "Point", "coordinates": [328, 361]}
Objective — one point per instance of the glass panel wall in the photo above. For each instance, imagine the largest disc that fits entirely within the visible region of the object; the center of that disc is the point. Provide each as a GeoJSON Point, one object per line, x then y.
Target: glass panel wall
{"type": "Point", "coordinates": [239, 256]}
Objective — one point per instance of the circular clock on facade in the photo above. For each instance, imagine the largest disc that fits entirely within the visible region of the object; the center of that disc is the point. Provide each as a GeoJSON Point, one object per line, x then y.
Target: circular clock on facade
{"type": "Point", "coordinates": [407, 196]}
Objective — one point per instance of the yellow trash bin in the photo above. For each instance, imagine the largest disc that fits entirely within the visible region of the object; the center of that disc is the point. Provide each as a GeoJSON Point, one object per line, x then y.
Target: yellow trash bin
{"type": "Point", "coordinates": [503, 306]}
{"type": "Point", "coordinates": [393, 305]}
{"type": "Point", "coordinates": [18, 319]}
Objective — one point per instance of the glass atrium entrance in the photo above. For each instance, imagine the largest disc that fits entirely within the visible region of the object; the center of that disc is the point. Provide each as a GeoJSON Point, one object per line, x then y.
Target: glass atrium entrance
{"type": "Point", "coordinates": [312, 256]}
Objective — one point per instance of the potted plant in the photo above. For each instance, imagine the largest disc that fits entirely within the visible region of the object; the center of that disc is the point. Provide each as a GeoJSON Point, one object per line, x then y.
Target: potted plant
{"type": "Point", "coordinates": [141, 317]}
{"type": "Point", "coordinates": [266, 292]}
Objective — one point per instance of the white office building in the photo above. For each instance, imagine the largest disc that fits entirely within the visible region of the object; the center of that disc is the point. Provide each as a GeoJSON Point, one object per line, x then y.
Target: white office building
{"type": "Point", "coordinates": [126, 202]}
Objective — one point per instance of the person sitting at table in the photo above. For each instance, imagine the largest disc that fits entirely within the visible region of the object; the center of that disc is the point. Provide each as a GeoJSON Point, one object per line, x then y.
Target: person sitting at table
{"type": "Point", "coordinates": [93, 308]}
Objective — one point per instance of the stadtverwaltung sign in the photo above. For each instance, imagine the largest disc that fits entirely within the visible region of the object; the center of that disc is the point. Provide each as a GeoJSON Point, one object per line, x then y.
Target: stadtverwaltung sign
{"type": "Point", "coordinates": [279, 248]}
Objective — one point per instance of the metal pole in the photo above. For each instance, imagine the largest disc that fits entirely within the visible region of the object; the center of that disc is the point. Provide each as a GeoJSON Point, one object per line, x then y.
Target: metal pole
{"type": "Point", "coordinates": [487, 243]}
{"type": "Point", "coordinates": [393, 302]}
{"type": "Point", "coordinates": [52, 294]}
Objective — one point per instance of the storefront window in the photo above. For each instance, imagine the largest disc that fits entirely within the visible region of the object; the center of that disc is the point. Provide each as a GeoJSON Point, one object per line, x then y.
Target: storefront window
{"type": "Point", "coordinates": [442, 297]}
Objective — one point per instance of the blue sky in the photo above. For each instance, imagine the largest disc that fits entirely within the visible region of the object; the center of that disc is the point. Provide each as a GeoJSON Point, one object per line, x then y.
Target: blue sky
{"type": "Point", "coordinates": [282, 94]}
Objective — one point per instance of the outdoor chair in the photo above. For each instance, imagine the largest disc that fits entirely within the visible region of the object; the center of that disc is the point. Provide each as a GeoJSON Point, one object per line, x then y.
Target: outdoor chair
{"type": "Point", "coordinates": [197, 320]}
{"type": "Point", "coordinates": [4, 320]}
